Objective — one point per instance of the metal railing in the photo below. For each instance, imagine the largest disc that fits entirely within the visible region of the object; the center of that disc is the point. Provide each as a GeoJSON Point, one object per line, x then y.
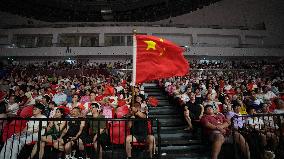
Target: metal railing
{"type": "Point", "coordinates": [262, 133]}
{"type": "Point", "coordinates": [46, 138]}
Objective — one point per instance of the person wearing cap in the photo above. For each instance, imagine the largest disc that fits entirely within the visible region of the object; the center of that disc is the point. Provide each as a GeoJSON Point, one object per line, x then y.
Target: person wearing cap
{"type": "Point", "coordinates": [216, 128]}
{"type": "Point", "coordinates": [13, 145]}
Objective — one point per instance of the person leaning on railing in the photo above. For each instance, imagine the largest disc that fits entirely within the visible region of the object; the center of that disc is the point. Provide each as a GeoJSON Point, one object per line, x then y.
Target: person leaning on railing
{"type": "Point", "coordinates": [53, 132]}
{"type": "Point", "coordinates": [13, 145]}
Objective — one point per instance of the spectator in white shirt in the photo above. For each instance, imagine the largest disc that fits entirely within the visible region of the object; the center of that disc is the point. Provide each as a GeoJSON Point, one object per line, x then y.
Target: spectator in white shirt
{"type": "Point", "coordinates": [13, 107]}
{"type": "Point", "coordinates": [268, 94]}
{"type": "Point", "coordinates": [256, 125]}
{"type": "Point", "coordinates": [14, 145]}
{"type": "Point", "coordinates": [52, 109]}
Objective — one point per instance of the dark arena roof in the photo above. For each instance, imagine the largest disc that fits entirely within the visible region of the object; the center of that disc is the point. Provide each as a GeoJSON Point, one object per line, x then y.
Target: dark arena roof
{"type": "Point", "coordinates": [101, 10]}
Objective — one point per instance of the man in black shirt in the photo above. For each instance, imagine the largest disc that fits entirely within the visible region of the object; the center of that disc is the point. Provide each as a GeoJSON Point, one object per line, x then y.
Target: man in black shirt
{"type": "Point", "coordinates": [139, 131]}
{"type": "Point", "coordinates": [192, 111]}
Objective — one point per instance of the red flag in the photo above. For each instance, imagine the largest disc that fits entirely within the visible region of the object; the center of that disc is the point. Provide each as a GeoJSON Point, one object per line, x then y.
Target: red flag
{"type": "Point", "coordinates": [156, 58]}
{"type": "Point", "coordinates": [153, 101]}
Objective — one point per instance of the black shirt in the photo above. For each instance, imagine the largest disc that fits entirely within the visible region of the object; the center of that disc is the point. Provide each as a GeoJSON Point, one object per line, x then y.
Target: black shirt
{"type": "Point", "coordinates": [194, 108]}
{"type": "Point", "coordinates": [139, 128]}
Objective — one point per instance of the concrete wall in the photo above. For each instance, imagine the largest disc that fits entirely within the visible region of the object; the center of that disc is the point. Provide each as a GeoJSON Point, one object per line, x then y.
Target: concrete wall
{"type": "Point", "coordinates": [247, 13]}
{"type": "Point", "coordinates": [127, 50]}
{"type": "Point", "coordinates": [201, 41]}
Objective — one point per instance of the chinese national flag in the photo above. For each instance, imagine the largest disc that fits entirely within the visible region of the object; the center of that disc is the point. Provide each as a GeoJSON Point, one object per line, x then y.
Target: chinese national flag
{"type": "Point", "coordinates": [156, 58]}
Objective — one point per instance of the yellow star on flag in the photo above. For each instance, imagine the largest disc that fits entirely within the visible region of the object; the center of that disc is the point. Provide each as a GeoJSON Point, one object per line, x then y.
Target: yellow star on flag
{"type": "Point", "coordinates": [150, 45]}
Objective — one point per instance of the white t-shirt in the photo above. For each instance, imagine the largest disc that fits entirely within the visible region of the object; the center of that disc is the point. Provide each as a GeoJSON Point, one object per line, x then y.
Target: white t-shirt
{"type": "Point", "coordinates": [119, 88]}
{"type": "Point", "coordinates": [52, 113]}
{"type": "Point", "coordinates": [269, 122]}
{"type": "Point", "coordinates": [279, 111]}
{"type": "Point", "coordinates": [268, 95]}
{"type": "Point", "coordinates": [69, 105]}
{"type": "Point", "coordinates": [13, 108]}
{"type": "Point", "coordinates": [227, 87]}
{"type": "Point", "coordinates": [255, 123]}
{"type": "Point", "coordinates": [34, 125]}
{"type": "Point", "coordinates": [184, 97]}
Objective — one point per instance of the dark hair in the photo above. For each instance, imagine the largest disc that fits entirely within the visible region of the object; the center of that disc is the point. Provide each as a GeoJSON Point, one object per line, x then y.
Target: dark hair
{"type": "Point", "coordinates": [136, 104]}
{"type": "Point", "coordinates": [47, 98]}
{"type": "Point", "coordinates": [236, 104]}
{"type": "Point", "coordinates": [96, 105]}
{"type": "Point", "coordinates": [62, 111]}
{"type": "Point", "coordinates": [207, 106]}
{"type": "Point", "coordinates": [77, 108]}
{"type": "Point", "coordinates": [3, 106]}
{"type": "Point", "coordinates": [52, 102]}
{"type": "Point", "coordinates": [76, 95]}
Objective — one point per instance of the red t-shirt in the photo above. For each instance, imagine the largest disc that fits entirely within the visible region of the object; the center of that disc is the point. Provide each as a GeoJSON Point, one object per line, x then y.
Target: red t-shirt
{"type": "Point", "coordinates": [217, 119]}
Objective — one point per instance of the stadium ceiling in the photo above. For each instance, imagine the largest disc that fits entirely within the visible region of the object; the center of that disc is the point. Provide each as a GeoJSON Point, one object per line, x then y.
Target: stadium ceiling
{"type": "Point", "coordinates": [101, 10]}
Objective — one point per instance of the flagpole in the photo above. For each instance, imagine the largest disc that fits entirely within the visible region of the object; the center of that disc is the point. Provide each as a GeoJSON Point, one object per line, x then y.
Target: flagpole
{"type": "Point", "coordinates": [134, 65]}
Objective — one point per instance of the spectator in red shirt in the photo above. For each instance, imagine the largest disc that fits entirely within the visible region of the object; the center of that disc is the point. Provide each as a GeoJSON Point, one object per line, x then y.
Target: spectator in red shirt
{"type": "Point", "coordinates": [216, 128]}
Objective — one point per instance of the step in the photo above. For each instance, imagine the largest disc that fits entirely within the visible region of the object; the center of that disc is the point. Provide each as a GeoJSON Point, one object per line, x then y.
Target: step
{"type": "Point", "coordinates": [171, 120]}
{"type": "Point", "coordinates": [155, 94]}
{"type": "Point", "coordinates": [160, 107]}
{"type": "Point", "coordinates": [183, 135]}
{"type": "Point", "coordinates": [171, 129]}
{"type": "Point", "coordinates": [186, 155]}
{"type": "Point", "coordinates": [185, 152]}
{"type": "Point", "coordinates": [179, 142]}
{"type": "Point", "coordinates": [162, 98]}
{"type": "Point", "coordinates": [163, 111]}
{"type": "Point", "coordinates": [164, 102]}
{"type": "Point", "coordinates": [150, 85]}
{"type": "Point", "coordinates": [163, 108]}
{"type": "Point", "coordinates": [147, 90]}
{"type": "Point", "coordinates": [172, 123]}
{"type": "Point", "coordinates": [165, 116]}
{"type": "Point", "coordinates": [182, 148]}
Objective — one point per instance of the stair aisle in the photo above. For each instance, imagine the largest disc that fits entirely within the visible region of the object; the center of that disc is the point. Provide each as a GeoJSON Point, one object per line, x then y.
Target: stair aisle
{"type": "Point", "coordinates": [176, 143]}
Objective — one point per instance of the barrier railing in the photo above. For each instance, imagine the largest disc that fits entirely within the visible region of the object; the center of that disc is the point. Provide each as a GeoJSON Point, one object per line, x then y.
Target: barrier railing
{"type": "Point", "coordinates": [263, 134]}
{"type": "Point", "coordinates": [79, 138]}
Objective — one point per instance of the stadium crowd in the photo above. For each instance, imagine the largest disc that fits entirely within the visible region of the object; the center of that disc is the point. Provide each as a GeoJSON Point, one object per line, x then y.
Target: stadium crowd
{"type": "Point", "coordinates": [101, 90]}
